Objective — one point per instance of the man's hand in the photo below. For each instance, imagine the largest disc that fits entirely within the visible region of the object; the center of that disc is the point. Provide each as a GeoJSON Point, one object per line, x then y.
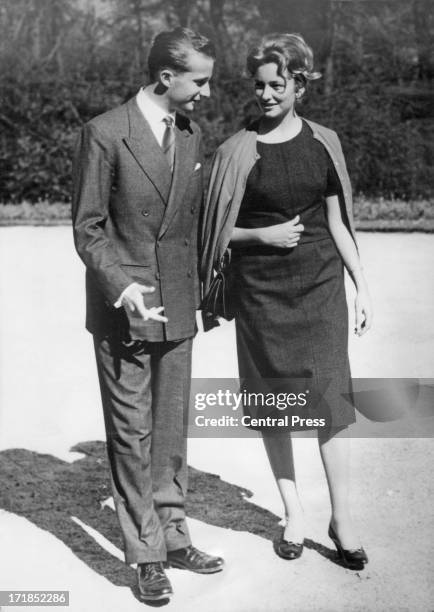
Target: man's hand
{"type": "Point", "coordinates": [132, 298]}
{"type": "Point", "coordinates": [284, 235]}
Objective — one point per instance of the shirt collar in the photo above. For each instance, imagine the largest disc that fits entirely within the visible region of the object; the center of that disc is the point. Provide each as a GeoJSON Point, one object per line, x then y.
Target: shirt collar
{"type": "Point", "coordinates": [152, 112]}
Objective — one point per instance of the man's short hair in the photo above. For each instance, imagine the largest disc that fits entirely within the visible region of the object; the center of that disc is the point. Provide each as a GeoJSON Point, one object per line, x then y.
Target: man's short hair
{"type": "Point", "coordinates": [171, 50]}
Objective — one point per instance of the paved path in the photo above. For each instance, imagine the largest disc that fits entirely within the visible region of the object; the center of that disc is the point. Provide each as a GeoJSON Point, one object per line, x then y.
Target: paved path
{"type": "Point", "coordinates": [49, 401]}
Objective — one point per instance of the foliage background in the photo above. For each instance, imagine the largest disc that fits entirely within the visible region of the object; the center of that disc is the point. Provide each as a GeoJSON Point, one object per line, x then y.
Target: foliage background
{"type": "Point", "coordinates": [64, 61]}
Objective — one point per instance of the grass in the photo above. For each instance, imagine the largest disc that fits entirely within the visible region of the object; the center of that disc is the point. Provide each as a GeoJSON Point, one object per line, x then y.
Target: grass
{"type": "Point", "coordinates": [394, 215]}
{"type": "Point", "coordinates": [371, 214]}
{"type": "Point", "coordinates": [41, 213]}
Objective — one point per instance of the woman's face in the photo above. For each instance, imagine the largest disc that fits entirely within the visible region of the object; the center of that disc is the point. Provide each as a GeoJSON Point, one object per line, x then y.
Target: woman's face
{"type": "Point", "coordinates": [275, 94]}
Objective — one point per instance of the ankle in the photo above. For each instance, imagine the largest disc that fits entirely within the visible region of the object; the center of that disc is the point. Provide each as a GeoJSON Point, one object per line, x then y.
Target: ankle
{"type": "Point", "coordinates": [341, 518]}
{"type": "Point", "coordinates": [294, 517]}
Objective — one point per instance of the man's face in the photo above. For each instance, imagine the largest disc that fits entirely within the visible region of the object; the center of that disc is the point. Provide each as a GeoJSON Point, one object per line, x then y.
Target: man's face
{"type": "Point", "coordinates": [184, 89]}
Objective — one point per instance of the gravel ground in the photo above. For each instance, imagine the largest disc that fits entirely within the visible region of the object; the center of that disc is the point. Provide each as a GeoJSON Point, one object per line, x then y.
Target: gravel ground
{"type": "Point", "coordinates": [57, 528]}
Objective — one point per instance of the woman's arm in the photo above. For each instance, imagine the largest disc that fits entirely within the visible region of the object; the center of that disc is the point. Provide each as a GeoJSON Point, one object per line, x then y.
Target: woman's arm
{"type": "Point", "coordinates": [283, 235]}
{"type": "Point", "coordinates": [347, 250]}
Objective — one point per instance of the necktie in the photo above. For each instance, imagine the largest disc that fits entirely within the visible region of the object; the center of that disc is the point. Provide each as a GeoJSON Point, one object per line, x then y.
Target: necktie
{"type": "Point", "coordinates": [168, 144]}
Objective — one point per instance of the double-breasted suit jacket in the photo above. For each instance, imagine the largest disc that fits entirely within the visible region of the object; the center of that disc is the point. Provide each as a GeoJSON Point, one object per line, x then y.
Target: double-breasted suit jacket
{"type": "Point", "coordinates": [133, 221]}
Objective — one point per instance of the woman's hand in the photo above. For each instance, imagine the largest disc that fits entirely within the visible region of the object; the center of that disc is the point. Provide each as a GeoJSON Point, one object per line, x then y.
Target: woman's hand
{"type": "Point", "coordinates": [363, 307]}
{"type": "Point", "coordinates": [284, 235]}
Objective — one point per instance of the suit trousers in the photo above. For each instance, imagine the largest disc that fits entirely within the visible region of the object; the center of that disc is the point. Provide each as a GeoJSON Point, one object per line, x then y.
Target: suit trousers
{"type": "Point", "coordinates": [145, 388]}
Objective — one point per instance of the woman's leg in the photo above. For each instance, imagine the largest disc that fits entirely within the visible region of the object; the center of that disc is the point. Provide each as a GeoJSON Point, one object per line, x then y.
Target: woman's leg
{"type": "Point", "coordinates": [280, 455]}
{"type": "Point", "coordinates": [335, 454]}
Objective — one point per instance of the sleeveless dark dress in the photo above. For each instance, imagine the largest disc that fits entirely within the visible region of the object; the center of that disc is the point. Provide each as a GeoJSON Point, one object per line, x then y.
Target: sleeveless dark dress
{"type": "Point", "coordinates": [290, 306]}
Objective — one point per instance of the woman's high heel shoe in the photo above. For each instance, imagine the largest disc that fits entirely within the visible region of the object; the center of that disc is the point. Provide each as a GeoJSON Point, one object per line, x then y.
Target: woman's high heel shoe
{"type": "Point", "coordinates": [288, 550]}
{"type": "Point", "coordinates": [352, 558]}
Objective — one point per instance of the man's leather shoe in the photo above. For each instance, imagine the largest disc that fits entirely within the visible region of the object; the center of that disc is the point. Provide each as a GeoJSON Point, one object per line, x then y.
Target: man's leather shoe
{"type": "Point", "coordinates": [152, 582]}
{"type": "Point", "coordinates": [194, 560]}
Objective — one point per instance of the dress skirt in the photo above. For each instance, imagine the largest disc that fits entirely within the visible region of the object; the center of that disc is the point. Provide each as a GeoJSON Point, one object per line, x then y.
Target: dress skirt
{"type": "Point", "coordinates": [292, 331]}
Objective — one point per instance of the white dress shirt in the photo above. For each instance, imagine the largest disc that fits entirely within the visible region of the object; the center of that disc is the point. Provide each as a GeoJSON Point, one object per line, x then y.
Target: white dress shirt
{"type": "Point", "coordinates": [152, 112]}
{"type": "Point", "coordinates": [154, 115]}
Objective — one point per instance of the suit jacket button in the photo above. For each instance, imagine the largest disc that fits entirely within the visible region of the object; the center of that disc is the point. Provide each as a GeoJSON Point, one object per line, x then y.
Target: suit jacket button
{"type": "Point", "coordinates": [189, 274]}
{"type": "Point", "coordinates": [145, 213]}
{"type": "Point", "coordinates": [186, 242]}
{"type": "Point", "coordinates": [157, 275]}
{"type": "Point", "coordinates": [193, 210]}
{"type": "Point", "coordinates": [158, 244]}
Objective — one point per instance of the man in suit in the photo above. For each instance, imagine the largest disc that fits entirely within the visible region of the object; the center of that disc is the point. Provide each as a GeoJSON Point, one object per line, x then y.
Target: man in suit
{"type": "Point", "coordinates": [136, 204]}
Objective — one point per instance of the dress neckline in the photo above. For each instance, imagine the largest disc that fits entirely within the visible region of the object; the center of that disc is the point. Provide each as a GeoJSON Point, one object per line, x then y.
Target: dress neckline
{"type": "Point", "coordinates": [282, 142]}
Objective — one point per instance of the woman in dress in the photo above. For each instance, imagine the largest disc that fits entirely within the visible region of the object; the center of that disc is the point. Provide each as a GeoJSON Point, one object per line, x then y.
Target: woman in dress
{"type": "Point", "coordinates": [280, 198]}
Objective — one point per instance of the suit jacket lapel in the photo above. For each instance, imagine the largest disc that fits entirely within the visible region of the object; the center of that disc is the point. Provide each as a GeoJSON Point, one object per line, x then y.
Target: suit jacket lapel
{"type": "Point", "coordinates": [145, 149]}
{"type": "Point", "coordinates": [184, 166]}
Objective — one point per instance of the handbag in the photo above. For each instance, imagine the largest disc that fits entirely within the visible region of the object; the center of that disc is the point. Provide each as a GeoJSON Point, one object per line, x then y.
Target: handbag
{"type": "Point", "coordinates": [216, 302]}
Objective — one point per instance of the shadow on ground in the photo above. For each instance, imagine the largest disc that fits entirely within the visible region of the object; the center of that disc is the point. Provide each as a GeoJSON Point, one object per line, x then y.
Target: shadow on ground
{"type": "Point", "coordinates": [48, 492]}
